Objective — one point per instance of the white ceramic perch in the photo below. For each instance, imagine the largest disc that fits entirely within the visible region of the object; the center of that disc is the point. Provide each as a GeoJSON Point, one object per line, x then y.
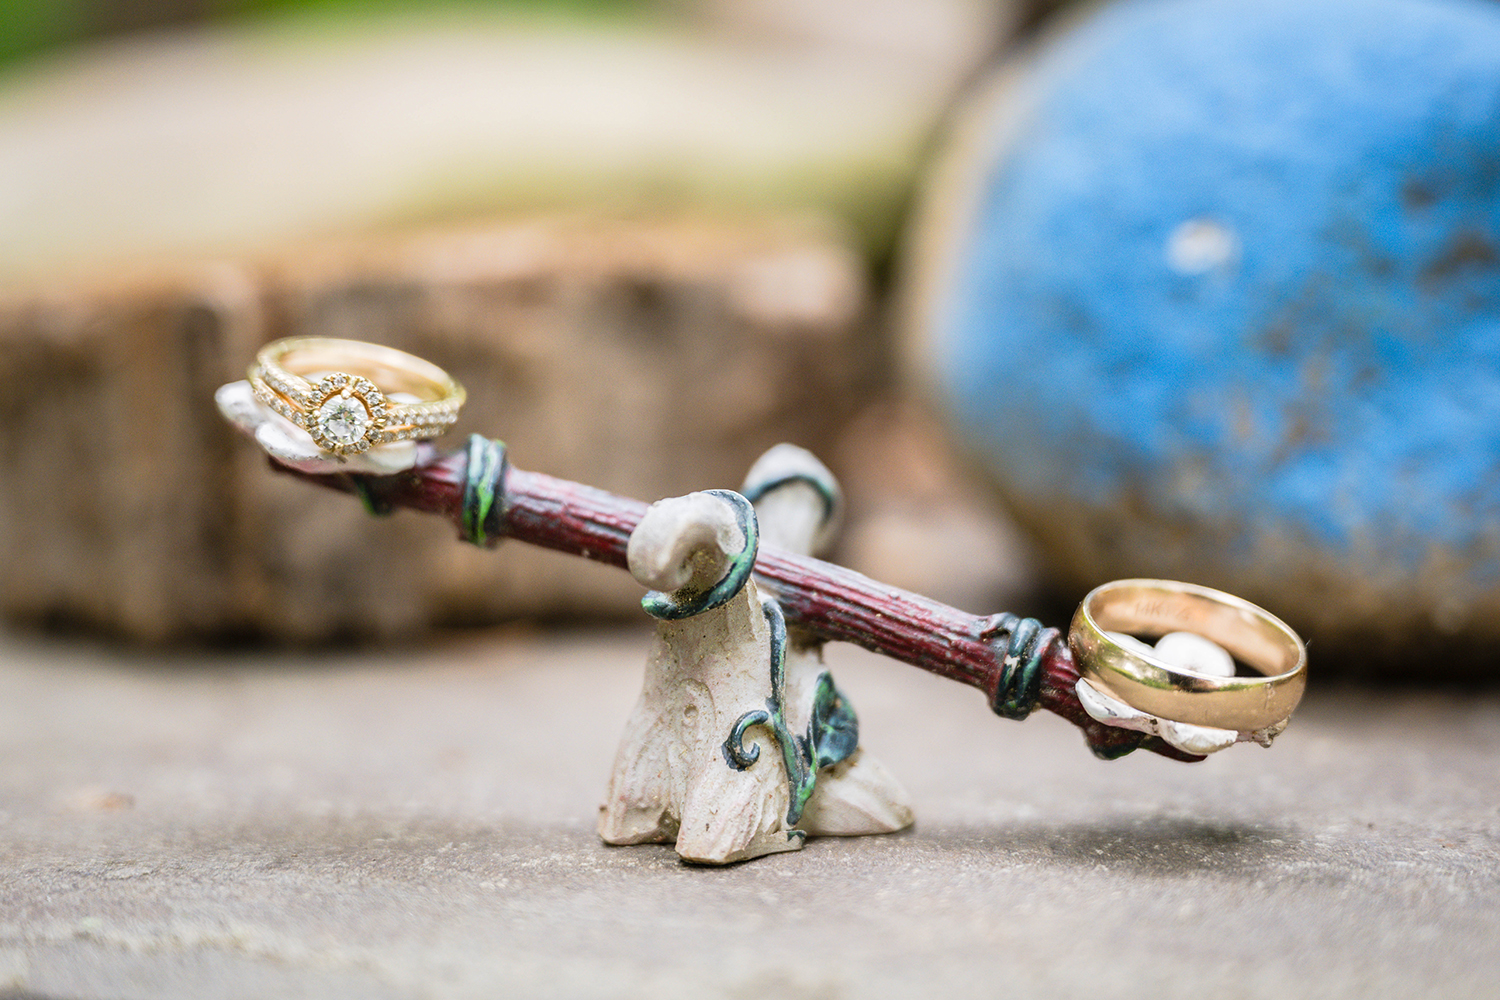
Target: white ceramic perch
{"type": "Point", "coordinates": [740, 745]}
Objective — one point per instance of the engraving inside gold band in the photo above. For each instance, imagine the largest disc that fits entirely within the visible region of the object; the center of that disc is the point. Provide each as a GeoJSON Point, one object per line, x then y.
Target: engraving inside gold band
{"type": "Point", "coordinates": [1255, 639]}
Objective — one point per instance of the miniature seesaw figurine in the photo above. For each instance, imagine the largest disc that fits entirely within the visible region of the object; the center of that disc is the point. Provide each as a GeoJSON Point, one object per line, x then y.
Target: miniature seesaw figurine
{"type": "Point", "coordinates": [741, 744]}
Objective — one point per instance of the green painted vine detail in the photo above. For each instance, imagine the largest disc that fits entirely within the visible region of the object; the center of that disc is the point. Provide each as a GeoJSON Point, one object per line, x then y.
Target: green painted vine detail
{"type": "Point", "coordinates": [832, 731]}
{"type": "Point", "coordinates": [684, 604]}
{"type": "Point", "coordinates": [1025, 642]}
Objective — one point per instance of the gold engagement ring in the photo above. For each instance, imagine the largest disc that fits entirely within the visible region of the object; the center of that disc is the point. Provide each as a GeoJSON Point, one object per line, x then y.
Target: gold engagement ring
{"type": "Point", "coordinates": [1149, 684]}
{"type": "Point", "coordinates": [350, 395]}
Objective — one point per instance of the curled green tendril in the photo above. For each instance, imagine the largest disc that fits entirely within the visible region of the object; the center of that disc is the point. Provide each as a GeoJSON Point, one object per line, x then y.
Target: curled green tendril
{"type": "Point", "coordinates": [832, 730]}
{"type": "Point", "coordinates": [484, 491]}
{"type": "Point", "coordinates": [682, 603]}
{"type": "Point", "coordinates": [1020, 685]}
{"type": "Point", "coordinates": [375, 504]}
{"type": "Point", "coordinates": [1114, 751]}
{"type": "Point", "coordinates": [825, 490]}
{"type": "Point", "coordinates": [736, 753]}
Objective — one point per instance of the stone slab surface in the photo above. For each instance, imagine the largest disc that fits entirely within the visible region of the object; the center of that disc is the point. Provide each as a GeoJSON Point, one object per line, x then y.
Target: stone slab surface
{"type": "Point", "coordinates": [419, 824]}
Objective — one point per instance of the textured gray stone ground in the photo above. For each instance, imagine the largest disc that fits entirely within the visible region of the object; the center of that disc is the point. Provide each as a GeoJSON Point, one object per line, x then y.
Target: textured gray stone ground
{"type": "Point", "coordinates": [419, 825]}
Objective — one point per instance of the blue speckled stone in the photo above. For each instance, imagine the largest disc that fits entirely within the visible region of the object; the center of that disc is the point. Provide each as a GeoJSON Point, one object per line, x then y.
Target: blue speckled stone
{"type": "Point", "coordinates": [1228, 305]}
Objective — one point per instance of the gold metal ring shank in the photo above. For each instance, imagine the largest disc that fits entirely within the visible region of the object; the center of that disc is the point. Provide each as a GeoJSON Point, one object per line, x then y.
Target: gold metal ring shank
{"type": "Point", "coordinates": [1155, 607]}
{"type": "Point", "coordinates": [338, 391]}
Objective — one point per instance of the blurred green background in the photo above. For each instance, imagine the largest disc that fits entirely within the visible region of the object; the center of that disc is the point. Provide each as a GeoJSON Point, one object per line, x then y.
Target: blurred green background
{"type": "Point", "coordinates": [28, 28]}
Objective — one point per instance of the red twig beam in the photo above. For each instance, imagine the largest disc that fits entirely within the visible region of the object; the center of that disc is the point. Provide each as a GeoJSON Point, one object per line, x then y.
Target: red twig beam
{"type": "Point", "coordinates": [820, 597]}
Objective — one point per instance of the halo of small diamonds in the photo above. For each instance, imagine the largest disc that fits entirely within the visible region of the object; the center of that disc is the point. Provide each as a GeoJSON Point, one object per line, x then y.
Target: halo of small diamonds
{"type": "Point", "coordinates": [346, 414]}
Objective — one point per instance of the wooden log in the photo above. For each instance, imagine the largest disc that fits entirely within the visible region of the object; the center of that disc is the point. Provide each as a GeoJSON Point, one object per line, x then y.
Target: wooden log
{"type": "Point", "coordinates": [653, 357]}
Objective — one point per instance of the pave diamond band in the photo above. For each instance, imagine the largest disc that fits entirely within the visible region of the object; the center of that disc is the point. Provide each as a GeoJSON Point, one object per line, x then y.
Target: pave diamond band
{"type": "Point", "coordinates": [350, 395]}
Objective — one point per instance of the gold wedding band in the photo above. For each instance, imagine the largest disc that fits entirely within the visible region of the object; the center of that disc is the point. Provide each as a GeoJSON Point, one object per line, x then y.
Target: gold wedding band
{"type": "Point", "coordinates": [1252, 635]}
{"type": "Point", "coordinates": [350, 395]}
